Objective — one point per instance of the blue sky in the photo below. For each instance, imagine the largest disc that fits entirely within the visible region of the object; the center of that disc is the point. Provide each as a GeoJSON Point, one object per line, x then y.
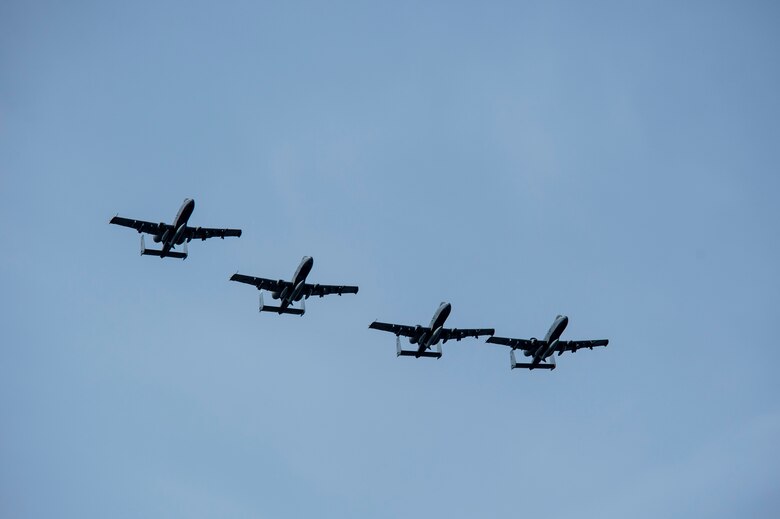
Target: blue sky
{"type": "Point", "coordinates": [615, 162]}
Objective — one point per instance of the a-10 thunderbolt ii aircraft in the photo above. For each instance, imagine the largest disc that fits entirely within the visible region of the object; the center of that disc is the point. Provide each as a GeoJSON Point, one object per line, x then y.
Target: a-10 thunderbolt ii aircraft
{"type": "Point", "coordinates": [426, 337]}
{"type": "Point", "coordinates": [171, 235]}
{"type": "Point", "coordinates": [289, 292]}
{"type": "Point", "coordinates": [541, 350]}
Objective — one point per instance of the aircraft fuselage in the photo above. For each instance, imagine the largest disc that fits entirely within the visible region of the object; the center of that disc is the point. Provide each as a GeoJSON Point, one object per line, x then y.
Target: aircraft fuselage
{"type": "Point", "coordinates": [427, 339]}
{"type": "Point", "coordinates": [185, 211]}
{"type": "Point", "coordinates": [546, 349]}
{"type": "Point", "coordinates": [556, 329]}
{"type": "Point", "coordinates": [440, 316]}
{"type": "Point", "coordinates": [303, 270]}
{"type": "Point", "coordinates": [298, 282]}
{"type": "Point", "coordinates": [176, 235]}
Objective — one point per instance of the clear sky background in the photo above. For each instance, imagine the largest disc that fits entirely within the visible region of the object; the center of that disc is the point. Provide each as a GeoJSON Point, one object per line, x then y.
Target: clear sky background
{"type": "Point", "coordinates": [616, 162]}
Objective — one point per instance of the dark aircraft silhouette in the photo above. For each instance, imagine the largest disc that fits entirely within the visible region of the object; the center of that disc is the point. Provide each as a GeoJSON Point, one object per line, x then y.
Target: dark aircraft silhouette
{"type": "Point", "coordinates": [171, 235]}
{"type": "Point", "coordinates": [543, 349]}
{"type": "Point", "coordinates": [296, 290]}
{"type": "Point", "coordinates": [427, 337]}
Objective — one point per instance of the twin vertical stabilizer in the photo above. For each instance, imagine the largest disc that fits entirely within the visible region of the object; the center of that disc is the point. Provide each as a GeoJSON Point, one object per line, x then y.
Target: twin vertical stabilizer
{"type": "Point", "coordinates": [414, 353]}
{"type": "Point", "coordinates": [549, 364]}
{"type": "Point", "coordinates": [159, 253]}
{"type": "Point", "coordinates": [282, 310]}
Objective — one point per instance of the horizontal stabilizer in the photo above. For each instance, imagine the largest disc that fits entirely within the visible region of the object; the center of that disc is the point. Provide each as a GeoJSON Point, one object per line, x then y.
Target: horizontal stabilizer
{"type": "Point", "coordinates": [436, 354]}
{"type": "Point", "coordinates": [530, 365]}
{"type": "Point", "coordinates": [159, 253]}
{"type": "Point", "coordinates": [412, 353]}
{"type": "Point", "coordinates": [279, 310]}
{"type": "Point", "coordinates": [541, 365]}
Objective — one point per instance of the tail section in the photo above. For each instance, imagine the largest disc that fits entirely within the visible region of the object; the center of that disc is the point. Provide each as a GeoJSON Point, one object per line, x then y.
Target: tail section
{"type": "Point", "coordinates": [160, 254]}
{"type": "Point", "coordinates": [281, 310]}
{"type": "Point", "coordinates": [436, 354]}
{"type": "Point", "coordinates": [550, 364]}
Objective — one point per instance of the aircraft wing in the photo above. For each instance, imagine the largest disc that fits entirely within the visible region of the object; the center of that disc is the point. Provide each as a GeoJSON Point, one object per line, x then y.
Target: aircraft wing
{"type": "Point", "coordinates": [140, 225]}
{"type": "Point", "coordinates": [324, 290]}
{"type": "Point", "coordinates": [576, 345]}
{"type": "Point", "coordinates": [398, 329]}
{"type": "Point", "coordinates": [274, 285]}
{"type": "Point", "coordinates": [202, 233]}
{"type": "Point", "coordinates": [448, 334]}
{"type": "Point", "coordinates": [516, 344]}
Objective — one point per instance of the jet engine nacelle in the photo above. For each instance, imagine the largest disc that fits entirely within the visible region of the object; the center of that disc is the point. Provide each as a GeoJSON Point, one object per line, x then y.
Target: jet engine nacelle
{"type": "Point", "coordinates": [157, 238]}
{"type": "Point", "coordinates": [178, 238]}
{"type": "Point", "coordinates": [197, 231]}
{"type": "Point", "coordinates": [275, 295]}
{"type": "Point", "coordinates": [165, 235]}
{"type": "Point", "coordinates": [417, 335]}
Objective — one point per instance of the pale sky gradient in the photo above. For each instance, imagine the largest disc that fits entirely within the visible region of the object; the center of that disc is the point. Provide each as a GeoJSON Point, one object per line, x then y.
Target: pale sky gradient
{"type": "Point", "coordinates": [616, 162]}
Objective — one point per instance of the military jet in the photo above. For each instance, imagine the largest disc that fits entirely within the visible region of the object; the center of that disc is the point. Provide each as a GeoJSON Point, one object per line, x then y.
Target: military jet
{"type": "Point", "coordinates": [289, 292]}
{"type": "Point", "coordinates": [427, 337]}
{"type": "Point", "coordinates": [171, 235]}
{"type": "Point", "coordinates": [541, 350]}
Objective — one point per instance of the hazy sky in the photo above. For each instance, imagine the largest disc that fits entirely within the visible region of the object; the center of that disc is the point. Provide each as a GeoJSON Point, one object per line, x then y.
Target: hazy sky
{"type": "Point", "coordinates": [616, 162]}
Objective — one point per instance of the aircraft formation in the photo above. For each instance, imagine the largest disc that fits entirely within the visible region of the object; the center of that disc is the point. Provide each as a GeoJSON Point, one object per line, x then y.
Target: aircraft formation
{"type": "Point", "coordinates": [427, 339]}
